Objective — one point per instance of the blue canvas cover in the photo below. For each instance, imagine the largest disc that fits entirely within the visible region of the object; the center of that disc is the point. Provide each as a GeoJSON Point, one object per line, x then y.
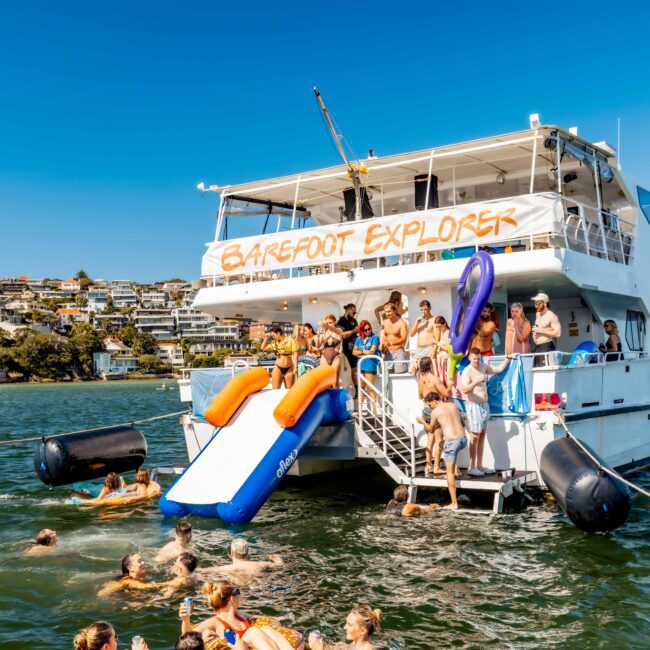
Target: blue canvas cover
{"type": "Point", "coordinates": [206, 384]}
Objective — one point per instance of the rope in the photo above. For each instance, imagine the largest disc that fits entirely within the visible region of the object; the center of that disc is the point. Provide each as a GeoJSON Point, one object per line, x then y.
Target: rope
{"type": "Point", "coordinates": [601, 467]}
{"type": "Point", "coordinates": [70, 433]}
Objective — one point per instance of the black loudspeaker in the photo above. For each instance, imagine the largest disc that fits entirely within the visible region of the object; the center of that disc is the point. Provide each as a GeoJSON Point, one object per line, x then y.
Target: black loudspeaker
{"type": "Point", "coordinates": [350, 204]}
{"type": "Point", "coordinates": [421, 191]}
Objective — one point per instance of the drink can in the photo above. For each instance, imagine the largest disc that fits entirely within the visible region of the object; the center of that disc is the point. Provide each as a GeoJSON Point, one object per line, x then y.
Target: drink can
{"type": "Point", "coordinates": [316, 633]}
{"type": "Point", "coordinates": [188, 602]}
{"type": "Point", "coordinates": [135, 642]}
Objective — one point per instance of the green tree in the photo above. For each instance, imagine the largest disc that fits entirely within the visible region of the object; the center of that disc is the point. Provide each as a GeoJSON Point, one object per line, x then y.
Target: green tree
{"type": "Point", "coordinates": [85, 341]}
{"type": "Point", "coordinates": [44, 355]}
{"type": "Point", "coordinates": [81, 275]}
{"type": "Point", "coordinates": [149, 363]}
{"type": "Point", "coordinates": [84, 283]}
{"type": "Point", "coordinates": [144, 344]}
{"type": "Point", "coordinates": [128, 334]}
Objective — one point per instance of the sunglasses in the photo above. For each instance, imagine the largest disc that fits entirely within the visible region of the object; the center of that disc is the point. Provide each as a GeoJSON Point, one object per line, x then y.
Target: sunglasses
{"type": "Point", "coordinates": [235, 592]}
{"type": "Point", "coordinates": [367, 329]}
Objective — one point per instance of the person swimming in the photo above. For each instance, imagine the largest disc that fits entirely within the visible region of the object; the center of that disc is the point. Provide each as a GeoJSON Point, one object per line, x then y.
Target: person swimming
{"type": "Point", "coordinates": [173, 549]}
{"type": "Point", "coordinates": [101, 635]}
{"type": "Point", "coordinates": [400, 507]}
{"type": "Point", "coordinates": [241, 564]}
{"type": "Point", "coordinates": [114, 485]}
{"type": "Point", "coordinates": [44, 543]}
{"type": "Point", "coordinates": [360, 624]}
{"type": "Point", "coordinates": [133, 577]}
{"type": "Point", "coordinates": [232, 628]}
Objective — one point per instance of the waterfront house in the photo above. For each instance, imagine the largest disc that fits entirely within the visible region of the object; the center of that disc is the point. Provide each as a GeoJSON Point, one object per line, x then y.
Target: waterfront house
{"type": "Point", "coordinates": [170, 353]}
{"type": "Point", "coordinates": [157, 322]}
{"type": "Point", "coordinates": [111, 366]}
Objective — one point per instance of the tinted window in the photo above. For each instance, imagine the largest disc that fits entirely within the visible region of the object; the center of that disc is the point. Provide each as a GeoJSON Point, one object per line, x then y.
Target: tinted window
{"type": "Point", "coordinates": [644, 201]}
{"type": "Point", "coordinates": [635, 330]}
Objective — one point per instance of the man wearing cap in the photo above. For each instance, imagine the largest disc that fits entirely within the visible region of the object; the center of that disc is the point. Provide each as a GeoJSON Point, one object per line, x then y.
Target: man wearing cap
{"type": "Point", "coordinates": [348, 324]}
{"type": "Point", "coordinates": [546, 328]}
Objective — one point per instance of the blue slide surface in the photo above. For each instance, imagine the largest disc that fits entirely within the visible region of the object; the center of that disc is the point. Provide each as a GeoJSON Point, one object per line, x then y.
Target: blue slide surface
{"type": "Point", "coordinates": [244, 462]}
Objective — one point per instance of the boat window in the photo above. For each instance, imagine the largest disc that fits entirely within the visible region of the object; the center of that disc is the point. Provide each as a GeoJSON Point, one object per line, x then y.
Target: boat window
{"type": "Point", "coordinates": [644, 201]}
{"type": "Point", "coordinates": [635, 330]}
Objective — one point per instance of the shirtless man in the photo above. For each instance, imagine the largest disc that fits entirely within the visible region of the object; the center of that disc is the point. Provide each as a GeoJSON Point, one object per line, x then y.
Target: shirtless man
{"type": "Point", "coordinates": [474, 385]}
{"type": "Point", "coordinates": [447, 416]}
{"type": "Point", "coordinates": [45, 542]}
{"type": "Point", "coordinates": [172, 550]}
{"type": "Point", "coordinates": [429, 382]}
{"type": "Point", "coordinates": [424, 329]}
{"type": "Point", "coordinates": [394, 334]}
{"type": "Point", "coordinates": [183, 571]}
{"type": "Point", "coordinates": [239, 552]}
{"type": "Point", "coordinates": [485, 329]}
{"type": "Point", "coordinates": [546, 328]}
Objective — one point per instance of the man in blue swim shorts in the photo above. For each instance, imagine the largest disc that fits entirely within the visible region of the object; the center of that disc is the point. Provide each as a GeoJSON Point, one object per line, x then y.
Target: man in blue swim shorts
{"type": "Point", "coordinates": [447, 416]}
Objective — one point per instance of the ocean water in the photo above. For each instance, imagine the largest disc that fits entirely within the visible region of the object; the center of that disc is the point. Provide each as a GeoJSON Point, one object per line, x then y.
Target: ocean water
{"type": "Point", "coordinates": [524, 580]}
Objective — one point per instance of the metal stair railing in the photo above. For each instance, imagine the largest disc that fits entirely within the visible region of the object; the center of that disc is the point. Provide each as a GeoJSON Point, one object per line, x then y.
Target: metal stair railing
{"type": "Point", "coordinates": [392, 444]}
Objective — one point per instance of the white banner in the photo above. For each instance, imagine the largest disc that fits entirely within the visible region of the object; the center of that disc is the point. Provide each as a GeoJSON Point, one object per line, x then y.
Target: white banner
{"type": "Point", "coordinates": [473, 224]}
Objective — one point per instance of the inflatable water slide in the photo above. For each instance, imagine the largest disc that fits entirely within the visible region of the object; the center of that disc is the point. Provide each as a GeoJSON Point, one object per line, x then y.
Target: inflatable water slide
{"type": "Point", "coordinates": [259, 433]}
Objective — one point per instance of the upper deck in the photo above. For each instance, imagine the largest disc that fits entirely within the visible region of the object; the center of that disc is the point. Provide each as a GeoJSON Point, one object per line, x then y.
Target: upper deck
{"type": "Point", "coordinates": [538, 188]}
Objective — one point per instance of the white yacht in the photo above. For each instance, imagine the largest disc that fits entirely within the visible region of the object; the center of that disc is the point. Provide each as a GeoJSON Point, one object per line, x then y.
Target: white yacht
{"type": "Point", "coordinates": [556, 214]}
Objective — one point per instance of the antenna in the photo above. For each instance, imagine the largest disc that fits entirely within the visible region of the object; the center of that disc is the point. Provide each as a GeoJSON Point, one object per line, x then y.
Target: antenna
{"type": "Point", "coordinates": [618, 145]}
{"type": "Point", "coordinates": [353, 170]}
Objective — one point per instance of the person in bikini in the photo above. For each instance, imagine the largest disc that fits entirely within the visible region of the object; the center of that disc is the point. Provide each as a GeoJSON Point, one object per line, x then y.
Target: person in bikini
{"type": "Point", "coordinates": [143, 488]}
{"type": "Point", "coordinates": [396, 300]}
{"type": "Point", "coordinates": [394, 334]}
{"type": "Point", "coordinates": [330, 344]}
{"type": "Point", "coordinates": [232, 628]}
{"type": "Point", "coordinates": [428, 381]}
{"type": "Point", "coordinates": [424, 328]}
{"type": "Point", "coordinates": [286, 363]}
{"type": "Point", "coordinates": [400, 507]}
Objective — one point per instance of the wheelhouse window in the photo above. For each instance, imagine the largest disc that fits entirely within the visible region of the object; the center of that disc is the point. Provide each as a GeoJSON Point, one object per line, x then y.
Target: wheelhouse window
{"type": "Point", "coordinates": [644, 202]}
{"type": "Point", "coordinates": [635, 330]}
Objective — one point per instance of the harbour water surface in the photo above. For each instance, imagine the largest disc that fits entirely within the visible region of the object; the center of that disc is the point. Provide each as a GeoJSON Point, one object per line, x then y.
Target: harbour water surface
{"type": "Point", "coordinates": [524, 580]}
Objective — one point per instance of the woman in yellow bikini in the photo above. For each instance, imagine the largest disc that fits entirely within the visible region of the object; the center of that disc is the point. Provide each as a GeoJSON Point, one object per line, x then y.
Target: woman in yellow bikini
{"type": "Point", "coordinates": [243, 632]}
{"type": "Point", "coordinates": [286, 363]}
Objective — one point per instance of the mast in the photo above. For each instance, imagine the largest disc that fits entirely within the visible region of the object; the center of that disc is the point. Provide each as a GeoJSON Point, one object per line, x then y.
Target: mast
{"type": "Point", "coordinates": [354, 171]}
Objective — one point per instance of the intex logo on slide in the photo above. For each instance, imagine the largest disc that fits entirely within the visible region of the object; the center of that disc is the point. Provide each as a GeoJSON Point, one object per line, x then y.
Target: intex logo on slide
{"type": "Point", "coordinates": [286, 463]}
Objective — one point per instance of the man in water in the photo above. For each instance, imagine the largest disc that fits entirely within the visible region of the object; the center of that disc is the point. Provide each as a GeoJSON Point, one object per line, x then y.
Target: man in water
{"type": "Point", "coordinates": [44, 543]}
{"type": "Point", "coordinates": [546, 329]}
{"type": "Point", "coordinates": [400, 507]}
{"type": "Point", "coordinates": [394, 334]}
{"type": "Point", "coordinates": [183, 570]}
{"type": "Point", "coordinates": [425, 331]}
{"type": "Point", "coordinates": [172, 550]}
{"type": "Point", "coordinates": [239, 553]}
{"type": "Point", "coordinates": [474, 385]}
{"type": "Point", "coordinates": [485, 329]}
{"type": "Point", "coordinates": [447, 416]}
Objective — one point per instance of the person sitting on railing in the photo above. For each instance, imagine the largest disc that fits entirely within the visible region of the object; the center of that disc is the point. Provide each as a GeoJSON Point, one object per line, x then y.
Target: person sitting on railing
{"type": "Point", "coordinates": [367, 345]}
{"type": "Point", "coordinates": [612, 348]}
{"type": "Point", "coordinates": [396, 300]}
{"type": "Point", "coordinates": [394, 335]}
{"type": "Point", "coordinates": [286, 363]}
{"type": "Point", "coordinates": [546, 328]}
{"type": "Point", "coordinates": [518, 330]}
{"type": "Point", "coordinates": [428, 382]}
{"type": "Point", "coordinates": [424, 328]}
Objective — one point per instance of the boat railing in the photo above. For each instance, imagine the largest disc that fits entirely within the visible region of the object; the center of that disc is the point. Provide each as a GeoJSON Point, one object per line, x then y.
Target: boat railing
{"type": "Point", "coordinates": [376, 414]}
{"type": "Point", "coordinates": [597, 232]}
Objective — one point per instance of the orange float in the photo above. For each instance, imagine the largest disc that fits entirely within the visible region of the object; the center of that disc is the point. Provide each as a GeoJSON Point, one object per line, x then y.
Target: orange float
{"type": "Point", "coordinates": [301, 394]}
{"type": "Point", "coordinates": [234, 393]}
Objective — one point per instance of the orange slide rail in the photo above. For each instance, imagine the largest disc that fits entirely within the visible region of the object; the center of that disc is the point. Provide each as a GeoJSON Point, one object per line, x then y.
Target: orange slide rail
{"type": "Point", "coordinates": [234, 393]}
{"type": "Point", "coordinates": [300, 395]}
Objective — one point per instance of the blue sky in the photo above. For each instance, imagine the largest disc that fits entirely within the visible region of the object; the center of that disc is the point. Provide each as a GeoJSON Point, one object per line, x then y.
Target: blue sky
{"type": "Point", "coordinates": [111, 113]}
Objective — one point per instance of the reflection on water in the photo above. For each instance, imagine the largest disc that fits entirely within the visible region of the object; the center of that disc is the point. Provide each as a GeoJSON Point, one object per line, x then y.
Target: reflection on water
{"type": "Point", "coordinates": [512, 581]}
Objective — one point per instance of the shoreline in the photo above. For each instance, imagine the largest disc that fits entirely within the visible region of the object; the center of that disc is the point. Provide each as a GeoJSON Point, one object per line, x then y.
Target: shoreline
{"type": "Point", "coordinates": [131, 377]}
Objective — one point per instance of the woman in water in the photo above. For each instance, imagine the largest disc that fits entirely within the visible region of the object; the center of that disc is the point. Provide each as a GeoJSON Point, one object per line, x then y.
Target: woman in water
{"type": "Point", "coordinates": [361, 623]}
{"type": "Point", "coordinates": [234, 629]}
{"type": "Point", "coordinates": [133, 577]}
{"type": "Point", "coordinates": [366, 345]}
{"type": "Point", "coordinates": [612, 347]}
{"type": "Point", "coordinates": [114, 485]}
{"type": "Point", "coordinates": [144, 487]}
{"type": "Point", "coordinates": [101, 636]}
{"type": "Point", "coordinates": [44, 543]}
{"type": "Point", "coordinates": [518, 330]}
{"type": "Point", "coordinates": [286, 363]}
{"type": "Point", "coordinates": [329, 343]}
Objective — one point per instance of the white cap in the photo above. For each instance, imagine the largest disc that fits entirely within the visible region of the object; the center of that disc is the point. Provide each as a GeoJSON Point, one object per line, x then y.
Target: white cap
{"type": "Point", "coordinates": [541, 296]}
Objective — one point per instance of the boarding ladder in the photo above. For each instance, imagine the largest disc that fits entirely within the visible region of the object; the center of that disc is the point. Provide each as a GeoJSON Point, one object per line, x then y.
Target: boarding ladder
{"type": "Point", "coordinates": [388, 435]}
